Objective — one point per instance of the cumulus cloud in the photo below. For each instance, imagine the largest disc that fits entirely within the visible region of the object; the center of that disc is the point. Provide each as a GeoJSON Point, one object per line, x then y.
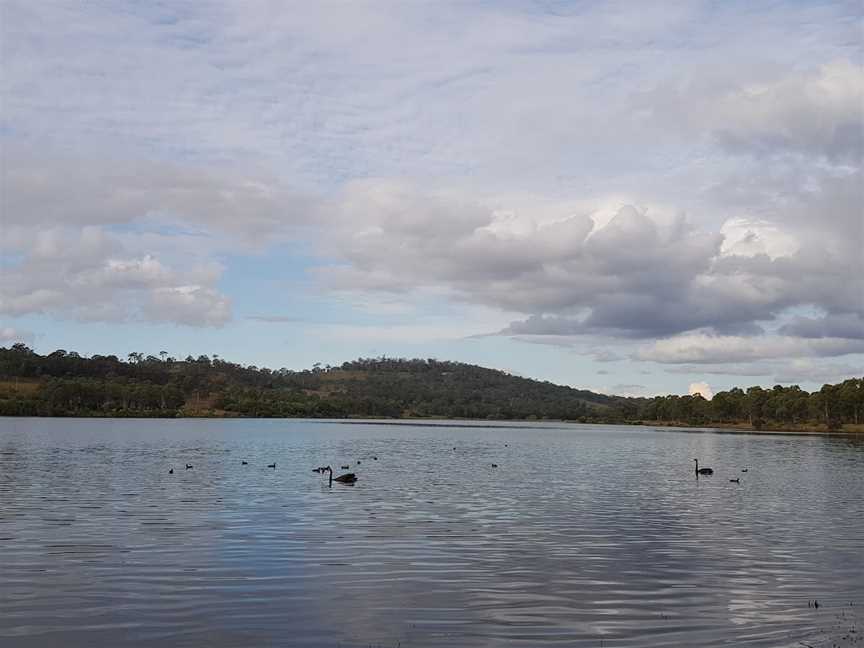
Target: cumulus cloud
{"type": "Point", "coordinates": [701, 388]}
{"type": "Point", "coordinates": [636, 276]}
{"type": "Point", "coordinates": [87, 275]}
{"type": "Point", "coordinates": [632, 265]}
{"type": "Point", "coordinates": [814, 113]}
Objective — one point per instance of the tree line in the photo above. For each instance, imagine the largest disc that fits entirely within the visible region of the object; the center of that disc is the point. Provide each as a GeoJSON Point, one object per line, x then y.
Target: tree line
{"type": "Point", "coordinates": [64, 383]}
{"type": "Point", "coordinates": [832, 406]}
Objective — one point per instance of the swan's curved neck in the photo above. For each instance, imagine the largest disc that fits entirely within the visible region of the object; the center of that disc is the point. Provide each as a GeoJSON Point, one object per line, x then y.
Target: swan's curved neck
{"type": "Point", "coordinates": [331, 475]}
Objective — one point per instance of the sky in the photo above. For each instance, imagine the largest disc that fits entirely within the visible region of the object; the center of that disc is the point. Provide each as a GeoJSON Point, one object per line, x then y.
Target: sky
{"type": "Point", "coordinates": [635, 198]}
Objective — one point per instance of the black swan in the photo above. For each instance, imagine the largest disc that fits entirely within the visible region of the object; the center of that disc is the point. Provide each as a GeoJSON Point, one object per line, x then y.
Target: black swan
{"type": "Point", "coordinates": [703, 471]}
{"type": "Point", "coordinates": [347, 478]}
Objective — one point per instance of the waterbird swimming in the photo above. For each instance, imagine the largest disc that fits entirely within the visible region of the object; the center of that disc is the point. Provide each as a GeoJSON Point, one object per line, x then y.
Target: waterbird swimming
{"type": "Point", "coordinates": [244, 463]}
{"type": "Point", "coordinates": [347, 478]}
{"type": "Point", "coordinates": [703, 471]}
{"type": "Point", "coordinates": [188, 466]}
{"type": "Point", "coordinates": [273, 465]}
{"type": "Point", "coordinates": [346, 467]}
{"type": "Point", "coordinates": [494, 465]}
{"type": "Point", "coordinates": [171, 472]}
{"type": "Point", "coordinates": [736, 480]}
{"type": "Point", "coordinates": [743, 470]}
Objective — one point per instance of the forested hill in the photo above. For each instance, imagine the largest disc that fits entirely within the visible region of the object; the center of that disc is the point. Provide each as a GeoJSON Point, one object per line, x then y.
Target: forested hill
{"type": "Point", "coordinates": [66, 384]}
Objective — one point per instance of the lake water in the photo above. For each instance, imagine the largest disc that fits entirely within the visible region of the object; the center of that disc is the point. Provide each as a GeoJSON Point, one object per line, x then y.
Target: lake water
{"type": "Point", "coordinates": [582, 536]}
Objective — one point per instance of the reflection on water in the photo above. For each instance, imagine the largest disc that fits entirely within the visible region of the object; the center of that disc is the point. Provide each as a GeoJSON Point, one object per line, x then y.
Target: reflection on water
{"type": "Point", "coordinates": [581, 534]}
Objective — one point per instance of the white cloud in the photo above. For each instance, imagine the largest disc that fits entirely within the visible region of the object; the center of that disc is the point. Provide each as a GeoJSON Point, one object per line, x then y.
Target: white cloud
{"type": "Point", "coordinates": [702, 388]}
{"type": "Point", "coordinates": [745, 237]}
{"type": "Point", "coordinates": [87, 275]}
{"type": "Point", "coordinates": [816, 112]}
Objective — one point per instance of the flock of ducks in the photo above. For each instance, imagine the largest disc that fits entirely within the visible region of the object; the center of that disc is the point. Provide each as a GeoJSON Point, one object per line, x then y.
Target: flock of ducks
{"type": "Point", "coordinates": [710, 471]}
{"type": "Point", "coordinates": [350, 478]}
{"type": "Point", "coordinates": [347, 478]}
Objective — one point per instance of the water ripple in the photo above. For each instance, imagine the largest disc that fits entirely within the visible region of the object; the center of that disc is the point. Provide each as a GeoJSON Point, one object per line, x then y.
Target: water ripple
{"type": "Point", "coordinates": [581, 535]}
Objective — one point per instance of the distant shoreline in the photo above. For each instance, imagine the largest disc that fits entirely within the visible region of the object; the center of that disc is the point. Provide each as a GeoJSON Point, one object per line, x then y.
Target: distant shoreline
{"type": "Point", "coordinates": [803, 429]}
{"type": "Point", "coordinates": [515, 424]}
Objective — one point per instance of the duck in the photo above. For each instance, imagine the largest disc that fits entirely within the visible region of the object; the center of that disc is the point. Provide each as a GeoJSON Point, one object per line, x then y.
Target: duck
{"type": "Point", "coordinates": [737, 480]}
{"type": "Point", "coordinates": [188, 466]}
{"type": "Point", "coordinates": [347, 478]}
{"type": "Point", "coordinates": [171, 472]}
{"type": "Point", "coordinates": [743, 470]}
{"type": "Point", "coordinates": [703, 471]}
{"type": "Point", "coordinates": [346, 467]}
{"type": "Point", "coordinates": [244, 463]}
{"type": "Point", "coordinates": [374, 458]}
{"type": "Point", "coordinates": [494, 465]}
{"type": "Point", "coordinates": [273, 465]}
